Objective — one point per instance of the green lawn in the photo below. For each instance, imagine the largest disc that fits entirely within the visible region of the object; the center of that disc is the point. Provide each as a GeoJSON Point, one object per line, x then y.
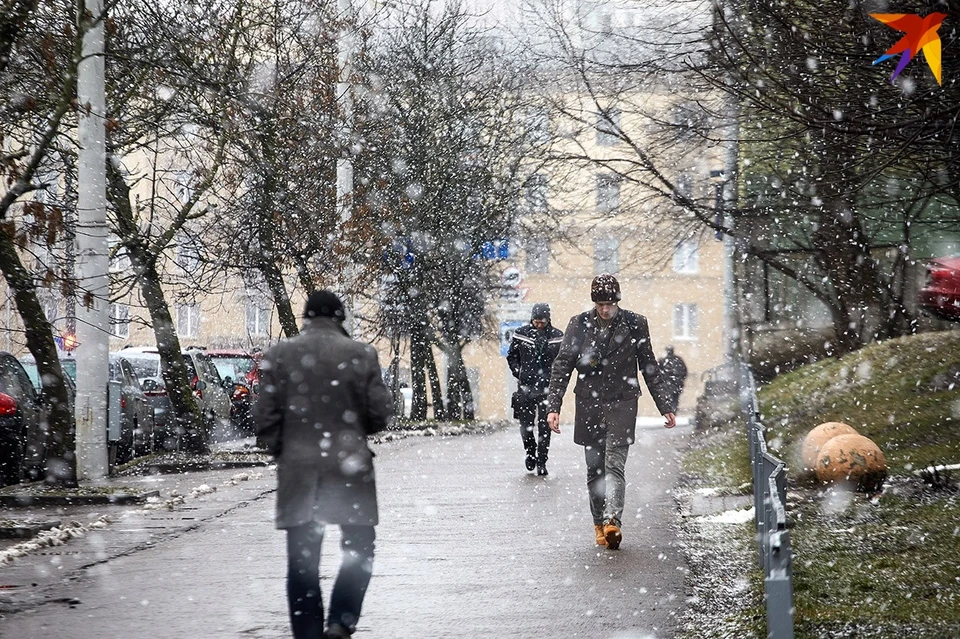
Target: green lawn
{"type": "Point", "coordinates": [885, 567]}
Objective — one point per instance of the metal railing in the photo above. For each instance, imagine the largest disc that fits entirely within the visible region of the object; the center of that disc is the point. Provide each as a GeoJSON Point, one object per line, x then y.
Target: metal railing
{"type": "Point", "coordinates": [769, 500]}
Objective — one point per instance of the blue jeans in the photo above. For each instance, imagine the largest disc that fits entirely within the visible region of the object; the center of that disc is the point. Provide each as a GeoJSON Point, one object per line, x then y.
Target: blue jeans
{"type": "Point", "coordinates": [303, 578]}
{"type": "Point", "coordinates": [605, 481]}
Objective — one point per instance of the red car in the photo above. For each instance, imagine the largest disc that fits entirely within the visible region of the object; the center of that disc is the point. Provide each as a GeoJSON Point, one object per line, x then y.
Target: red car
{"type": "Point", "coordinates": [940, 296]}
{"type": "Point", "coordinates": [243, 371]}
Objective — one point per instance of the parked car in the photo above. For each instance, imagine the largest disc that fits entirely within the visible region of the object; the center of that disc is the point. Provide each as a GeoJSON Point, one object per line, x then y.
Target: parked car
{"type": "Point", "coordinates": [204, 381]}
{"type": "Point", "coordinates": [135, 410]}
{"type": "Point", "coordinates": [22, 435]}
{"type": "Point", "coordinates": [129, 415]}
{"type": "Point", "coordinates": [940, 295]}
{"type": "Point", "coordinates": [241, 379]}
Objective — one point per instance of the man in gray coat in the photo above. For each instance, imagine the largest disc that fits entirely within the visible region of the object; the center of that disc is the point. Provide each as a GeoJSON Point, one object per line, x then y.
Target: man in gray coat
{"type": "Point", "coordinates": [607, 346]}
{"type": "Point", "coordinates": [321, 394]}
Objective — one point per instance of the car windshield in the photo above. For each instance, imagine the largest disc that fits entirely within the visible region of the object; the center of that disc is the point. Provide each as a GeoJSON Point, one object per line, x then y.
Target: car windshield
{"type": "Point", "coordinates": [144, 367]}
{"type": "Point", "coordinates": [235, 368]}
{"type": "Point", "coordinates": [32, 373]}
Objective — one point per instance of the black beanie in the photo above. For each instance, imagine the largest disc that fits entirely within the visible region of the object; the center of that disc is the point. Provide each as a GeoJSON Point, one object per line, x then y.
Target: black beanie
{"type": "Point", "coordinates": [540, 312]}
{"type": "Point", "coordinates": [605, 288]}
{"type": "Point", "coordinates": [324, 304]}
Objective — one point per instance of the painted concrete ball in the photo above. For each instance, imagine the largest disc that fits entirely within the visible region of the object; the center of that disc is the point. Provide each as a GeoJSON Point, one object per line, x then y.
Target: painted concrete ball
{"type": "Point", "coordinates": [816, 438]}
{"type": "Point", "coordinates": [852, 459]}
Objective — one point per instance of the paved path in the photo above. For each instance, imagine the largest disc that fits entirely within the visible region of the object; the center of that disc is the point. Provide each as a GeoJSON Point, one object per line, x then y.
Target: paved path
{"type": "Point", "coordinates": [470, 546]}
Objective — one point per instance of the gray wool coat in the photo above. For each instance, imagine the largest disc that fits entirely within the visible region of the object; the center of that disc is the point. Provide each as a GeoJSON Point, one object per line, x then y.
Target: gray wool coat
{"type": "Point", "coordinates": [607, 391]}
{"type": "Point", "coordinates": [321, 394]}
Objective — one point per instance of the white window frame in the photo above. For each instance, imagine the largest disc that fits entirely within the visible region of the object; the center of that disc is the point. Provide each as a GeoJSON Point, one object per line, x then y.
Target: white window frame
{"type": "Point", "coordinates": [120, 320]}
{"type": "Point", "coordinates": [608, 192]}
{"type": "Point", "coordinates": [258, 318]}
{"type": "Point", "coordinates": [608, 127]}
{"type": "Point", "coordinates": [685, 321]}
{"type": "Point", "coordinates": [537, 192]}
{"type": "Point", "coordinates": [188, 320]}
{"type": "Point", "coordinates": [606, 255]}
{"type": "Point", "coordinates": [686, 257]}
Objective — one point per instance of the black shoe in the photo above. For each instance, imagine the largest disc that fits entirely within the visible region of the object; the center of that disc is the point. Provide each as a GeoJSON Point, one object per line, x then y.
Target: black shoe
{"type": "Point", "coordinates": [542, 470]}
{"type": "Point", "coordinates": [336, 631]}
{"type": "Point", "coordinates": [531, 462]}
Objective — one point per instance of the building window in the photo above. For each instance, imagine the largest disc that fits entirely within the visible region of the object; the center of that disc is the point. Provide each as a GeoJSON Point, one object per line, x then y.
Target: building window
{"type": "Point", "coordinates": [537, 253]}
{"type": "Point", "coordinates": [686, 257]}
{"type": "Point", "coordinates": [188, 320]}
{"type": "Point", "coordinates": [184, 186]}
{"type": "Point", "coordinates": [258, 318]}
{"type": "Point", "coordinates": [536, 188]}
{"type": "Point", "coordinates": [120, 320]}
{"type": "Point", "coordinates": [685, 321]}
{"type": "Point", "coordinates": [608, 192]}
{"type": "Point", "coordinates": [538, 125]}
{"type": "Point", "coordinates": [188, 255]}
{"type": "Point", "coordinates": [608, 127]}
{"type": "Point", "coordinates": [605, 255]}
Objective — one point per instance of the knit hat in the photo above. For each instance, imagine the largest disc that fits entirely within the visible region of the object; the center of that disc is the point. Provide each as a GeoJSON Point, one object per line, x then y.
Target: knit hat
{"type": "Point", "coordinates": [540, 312]}
{"type": "Point", "coordinates": [605, 288]}
{"type": "Point", "coordinates": [324, 304]}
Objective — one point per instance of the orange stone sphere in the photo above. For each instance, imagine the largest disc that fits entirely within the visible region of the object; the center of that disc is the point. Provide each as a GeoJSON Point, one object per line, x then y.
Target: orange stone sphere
{"type": "Point", "coordinates": [853, 459]}
{"type": "Point", "coordinates": [819, 436]}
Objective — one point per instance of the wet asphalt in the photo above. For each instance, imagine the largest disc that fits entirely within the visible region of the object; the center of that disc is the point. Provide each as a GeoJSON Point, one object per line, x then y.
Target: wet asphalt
{"type": "Point", "coordinates": [470, 545]}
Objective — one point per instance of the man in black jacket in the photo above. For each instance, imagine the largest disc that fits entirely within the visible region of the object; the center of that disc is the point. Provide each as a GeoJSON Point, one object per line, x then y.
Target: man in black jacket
{"type": "Point", "coordinates": [321, 394]}
{"type": "Point", "coordinates": [532, 351]}
{"type": "Point", "coordinates": [607, 346]}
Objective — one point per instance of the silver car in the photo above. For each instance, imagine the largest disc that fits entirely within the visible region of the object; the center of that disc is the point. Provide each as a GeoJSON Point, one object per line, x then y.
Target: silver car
{"type": "Point", "coordinates": [134, 414]}
{"type": "Point", "coordinates": [204, 380]}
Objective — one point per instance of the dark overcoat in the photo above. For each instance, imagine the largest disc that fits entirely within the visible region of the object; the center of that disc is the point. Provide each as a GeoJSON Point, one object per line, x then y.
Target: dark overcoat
{"type": "Point", "coordinates": [608, 387]}
{"type": "Point", "coordinates": [321, 394]}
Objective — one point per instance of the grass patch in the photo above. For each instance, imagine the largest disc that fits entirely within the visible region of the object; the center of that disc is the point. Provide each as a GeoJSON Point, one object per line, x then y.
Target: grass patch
{"type": "Point", "coordinates": [903, 394]}
{"type": "Point", "coordinates": [888, 569]}
{"type": "Point", "coordinates": [721, 458]}
{"type": "Point", "coordinates": [884, 568]}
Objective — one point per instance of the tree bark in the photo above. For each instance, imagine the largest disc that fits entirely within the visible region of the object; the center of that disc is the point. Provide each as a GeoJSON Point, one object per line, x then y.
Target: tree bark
{"type": "Point", "coordinates": [436, 390]}
{"type": "Point", "coordinates": [183, 404]}
{"type": "Point", "coordinates": [61, 463]}
{"type": "Point", "coordinates": [418, 409]}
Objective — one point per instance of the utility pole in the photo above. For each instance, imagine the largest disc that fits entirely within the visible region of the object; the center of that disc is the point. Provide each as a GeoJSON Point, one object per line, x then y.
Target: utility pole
{"type": "Point", "coordinates": [92, 257]}
{"type": "Point", "coordinates": [345, 51]}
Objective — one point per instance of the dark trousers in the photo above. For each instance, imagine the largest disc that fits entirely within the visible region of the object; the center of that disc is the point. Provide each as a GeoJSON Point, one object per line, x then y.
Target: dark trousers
{"type": "Point", "coordinates": [303, 578]}
{"type": "Point", "coordinates": [533, 415]}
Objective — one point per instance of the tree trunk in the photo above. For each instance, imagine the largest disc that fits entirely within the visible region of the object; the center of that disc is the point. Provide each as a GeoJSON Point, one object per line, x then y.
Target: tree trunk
{"type": "Point", "coordinates": [459, 395]}
{"type": "Point", "coordinates": [61, 463]}
{"type": "Point", "coordinates": [436, 391]}
{"type": "Point", "coordinates": [190, 422]}
{"type": "Point", "coordinates": [183, 404]}
{"type": "Point", "coordinates": [418, 409]}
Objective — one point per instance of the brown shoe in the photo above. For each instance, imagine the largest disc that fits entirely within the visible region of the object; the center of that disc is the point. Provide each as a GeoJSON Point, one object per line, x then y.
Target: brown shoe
{"type": "Point", "coordinates": [612, 534]}
{"type": "Point", "coordinates": [601, 539]}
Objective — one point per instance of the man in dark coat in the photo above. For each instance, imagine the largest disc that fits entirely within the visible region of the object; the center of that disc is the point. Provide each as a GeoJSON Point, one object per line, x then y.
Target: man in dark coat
{"type": "Point", "coordinates": [675, 371]}
{"type": "Point", "coordinates": [607, 346]}
{"type": "Point", "coordinates": [532, 350]}
{"type": "Point", "coordinates": [321, 394]}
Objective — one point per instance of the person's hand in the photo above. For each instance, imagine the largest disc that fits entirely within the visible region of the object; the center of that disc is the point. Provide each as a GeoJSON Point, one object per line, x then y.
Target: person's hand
{"type": "Point", "coordinates": [670, 417]}
{"type": "Point", "coordinates": [553, 421]}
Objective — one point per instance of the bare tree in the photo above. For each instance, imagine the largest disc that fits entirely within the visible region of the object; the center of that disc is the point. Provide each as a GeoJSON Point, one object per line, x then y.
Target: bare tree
{"type": "Point", "coordinates": [452, 154]}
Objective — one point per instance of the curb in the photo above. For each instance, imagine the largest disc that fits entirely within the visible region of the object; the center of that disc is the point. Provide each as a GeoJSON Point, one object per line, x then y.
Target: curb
{"type": "Point", "coordinates": [117, 499]}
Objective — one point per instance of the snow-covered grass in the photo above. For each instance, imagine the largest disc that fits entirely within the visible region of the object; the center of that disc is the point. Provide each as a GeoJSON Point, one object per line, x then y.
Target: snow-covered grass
{"type": "Point", "coordinates": [439, 429]}
{"type": "Point", "coordinates": [61, 535]}
{"type": "Point", "coordinates": [53, 537]}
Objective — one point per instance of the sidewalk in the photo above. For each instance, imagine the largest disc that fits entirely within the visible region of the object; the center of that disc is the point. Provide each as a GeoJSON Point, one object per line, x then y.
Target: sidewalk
{"type": "Point", "coordinates": [469, 546]}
